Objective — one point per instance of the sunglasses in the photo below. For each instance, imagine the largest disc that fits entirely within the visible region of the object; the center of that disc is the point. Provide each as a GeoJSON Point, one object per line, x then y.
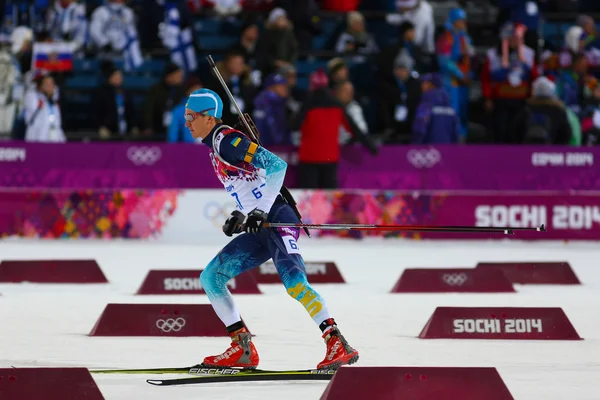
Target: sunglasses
{"type": "Point", "coordinates": [192, 117]}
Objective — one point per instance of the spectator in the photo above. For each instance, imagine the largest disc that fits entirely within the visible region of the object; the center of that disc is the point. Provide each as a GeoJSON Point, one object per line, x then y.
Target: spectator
{"type": "Point", "coordinates": [296, 95]}
{"type": "Point", "coordinates": [508, 73]}
{"type": "Point", "coordinates": [277, 46]}
{"type": "Point", "coordinates": [544, 119]}
{"type": "Point", "coordinates": [553, 62]}
{"type": "Point", "coordinates": [590, 123]}
{"type": "Point", "coordinates": [237, 76]}
{"type": "Point", "coordinates": [526, 13]}
{"type": "Point", "coordinates": [573, 83]}
{"type": "Point", "coordinates": [337, 71]}
{"type": "Point", "coordinates": [356, 39]}
{"type": "Point", "coordinates": [177, 36]}
{"type": "Point", "coordinates": [590, 43]}
{"type": "Point", "coordinates": [22, 47]}
{"type": "Point", "coordinates": [436, 121]}
{"type": "Point", "coordinates": [10, 91]}
{"type": "Point", "coordinates": [248, 42]}
{"type": "Point", "coordinates": [160, 100]}
{"type": "Point", "coordinates": [270, 112]}
{"type": "Point", "coordinates": [303, 18]}
{"type": "Point", "coordinates": [114, 111]}
{"type": "Point", "coordinates": [319, 124]}
{"type": "Point", "coordinates": [344, 92]}
{"type": "Point", "coordinates": [178, 132]}
{"type": "Point", "coordinates": [420, 13]}
{"type": "Point", "coordinates": [454, 53]}
{"type": "Point", "coordinates": [42, 112]}
{"type": "Point", "coordinates": [387, 58]}
{"type": "Point", "coordinates": [399, 101]}
{"type": "Point", "coordinates": [112, 29]}
{"type": "Point", "coordinates": [66, 21]}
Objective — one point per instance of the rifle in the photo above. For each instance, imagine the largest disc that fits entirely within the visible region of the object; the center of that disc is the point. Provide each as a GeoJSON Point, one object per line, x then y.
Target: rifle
{"type": "Point", "coordinates": [254, 134]}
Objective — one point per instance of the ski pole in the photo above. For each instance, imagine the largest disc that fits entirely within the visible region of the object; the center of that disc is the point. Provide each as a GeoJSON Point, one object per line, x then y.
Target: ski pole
{"type": "Point", "coordinates": [407, 228]}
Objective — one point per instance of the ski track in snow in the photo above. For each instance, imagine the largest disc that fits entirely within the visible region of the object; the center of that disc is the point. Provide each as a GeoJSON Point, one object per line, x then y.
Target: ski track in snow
{"type": "Point", "coordinates": [47, 325]}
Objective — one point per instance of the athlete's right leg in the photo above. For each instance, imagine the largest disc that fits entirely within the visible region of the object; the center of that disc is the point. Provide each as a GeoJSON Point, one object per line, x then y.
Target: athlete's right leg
{"type": "Point", "coordinates": [241, 254]}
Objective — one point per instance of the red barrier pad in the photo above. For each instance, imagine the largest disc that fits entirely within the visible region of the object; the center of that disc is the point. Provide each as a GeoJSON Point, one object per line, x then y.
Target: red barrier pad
{"type": "Point", "coordinates": [443, 280]}
{"type": "Point", "coordinates": [51, 271]}
{"type": "Point", "coordinates": [318, 272]}
{"type": "Point", "coordinates": [546, 273]}
{"type": "Point", "coordinates": [48, 384]}
{"type": "Point", "coordinates": [188, 282]}
{"type": "Point", "coordinates": [158, 320]}
{"type": "Point", "coordinates": [499, 323]}
{"type": "Point", "coordinates": [416, 383]}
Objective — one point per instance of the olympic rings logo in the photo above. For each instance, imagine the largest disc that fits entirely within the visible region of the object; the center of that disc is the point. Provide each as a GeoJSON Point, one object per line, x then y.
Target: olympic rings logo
{"type": "Point", "coordinates": [170, 325]}
{"type": "Point", "coordinates": [144, 155]}
{"type": "Point", "coordinates": [218, 213]}
{"type": "Point", "coordinates": [455, 279]}
{"type": "Point", "coordinates": [424, 158]}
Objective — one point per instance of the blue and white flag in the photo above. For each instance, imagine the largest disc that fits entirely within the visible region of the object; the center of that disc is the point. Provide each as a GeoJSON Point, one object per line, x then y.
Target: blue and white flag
{"type": "Point", "coordinates": [178, 39]}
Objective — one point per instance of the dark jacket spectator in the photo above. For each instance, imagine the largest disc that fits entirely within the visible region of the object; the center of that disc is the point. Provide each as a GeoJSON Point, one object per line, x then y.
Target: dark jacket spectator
{"type": "Point", "coordinates": [399, 100]}
{"type": "Point", "coordinates": [297, 95]}
{"type": "Point", "coordinates": [319, 123]}
{"type": "Point", "coordinates": [113, 107]}
{"type": "Point", "coordinates": [387, 57]}
{"type": "Point", "coordinates": [337, 71]}
{"type": "Point", "coordinates": [277, 45]}
{"type": "Point", "coordinates": [544, 119]}
{"type": "Point", "coordinates": [248, 43]}
{"type": "Point", "coordinates": [302, 16]}
{"type": "Point", "coordinates": [270, 112]}
{"type": "Point", "coordinates": [573, 83]}
{"type": "Point", "coordinates": [344, 92]}
{"type": "Point", "coordinates": [160, 100]}
{"type": "Point", "coordinates": [436, 121]}
{"type": "Point", "coordinates": [237, 75]}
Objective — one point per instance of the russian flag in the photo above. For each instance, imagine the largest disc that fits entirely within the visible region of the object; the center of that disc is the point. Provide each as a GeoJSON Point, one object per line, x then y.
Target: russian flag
{"type": "Point", "coordinates": [55, 56]}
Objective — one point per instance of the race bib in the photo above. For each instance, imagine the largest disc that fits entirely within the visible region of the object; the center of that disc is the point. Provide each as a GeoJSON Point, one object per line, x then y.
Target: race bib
{"type": "Point", "coordinates": [291, 245]}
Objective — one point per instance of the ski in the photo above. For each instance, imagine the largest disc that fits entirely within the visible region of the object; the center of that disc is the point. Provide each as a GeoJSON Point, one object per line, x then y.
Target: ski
{"type": "Point", "coordinates": [142, 371]}
{"type": "Point", "coordinates": [218, 375]}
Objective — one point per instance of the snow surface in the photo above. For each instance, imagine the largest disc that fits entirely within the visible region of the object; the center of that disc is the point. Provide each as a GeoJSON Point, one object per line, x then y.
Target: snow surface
{"type": "Point", "coordinates": [47, 325]}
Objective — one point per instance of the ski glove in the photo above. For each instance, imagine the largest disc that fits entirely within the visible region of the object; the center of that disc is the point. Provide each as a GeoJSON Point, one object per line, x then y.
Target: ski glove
{"type": "Point", "coordinates": [256, 220]}
{"type": "Point", "coordinates": [234, 223]}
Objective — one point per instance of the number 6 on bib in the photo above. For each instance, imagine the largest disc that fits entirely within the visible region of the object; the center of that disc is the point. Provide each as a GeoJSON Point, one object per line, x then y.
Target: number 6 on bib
{"type": "Point", "coordinates": [290, 244]}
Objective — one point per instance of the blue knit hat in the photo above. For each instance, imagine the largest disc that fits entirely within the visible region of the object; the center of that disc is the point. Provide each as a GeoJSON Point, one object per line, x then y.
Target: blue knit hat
{"type": "Point", "coordinates": [206, 102]}
{"type": "Point", "coordinates": [456, 14]}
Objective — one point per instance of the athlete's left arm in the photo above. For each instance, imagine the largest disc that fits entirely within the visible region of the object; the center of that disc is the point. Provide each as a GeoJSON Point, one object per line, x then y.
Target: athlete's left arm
{"type": "Point", "coordinates": [237, 148]}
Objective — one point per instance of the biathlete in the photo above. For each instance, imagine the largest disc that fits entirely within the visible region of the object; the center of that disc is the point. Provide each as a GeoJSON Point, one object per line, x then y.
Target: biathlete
{"type": "Point", "coordinates": [253, 177]}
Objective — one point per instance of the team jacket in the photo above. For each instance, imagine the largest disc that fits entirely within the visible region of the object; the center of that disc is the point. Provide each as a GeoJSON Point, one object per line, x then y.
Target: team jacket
{"type": "Point", "coordinates": [454, 52]}
{"type": "Point", "coordinates": [251, 174]}
{"type": "Point", "coordinates": [512, 82]}
{"type": "Point", "coordinates": [435, 122]}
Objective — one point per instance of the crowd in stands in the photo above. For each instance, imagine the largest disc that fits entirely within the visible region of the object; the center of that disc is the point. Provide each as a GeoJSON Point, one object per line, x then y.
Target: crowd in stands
{"type": "Point", "coordinates": [318, 74]}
